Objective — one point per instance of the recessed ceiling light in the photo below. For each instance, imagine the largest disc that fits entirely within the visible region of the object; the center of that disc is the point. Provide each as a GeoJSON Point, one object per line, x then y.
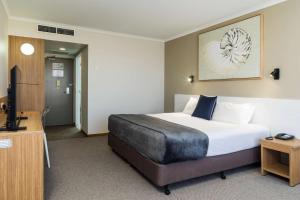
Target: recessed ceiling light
{"type": "Point", "coordinates": [62, 48]}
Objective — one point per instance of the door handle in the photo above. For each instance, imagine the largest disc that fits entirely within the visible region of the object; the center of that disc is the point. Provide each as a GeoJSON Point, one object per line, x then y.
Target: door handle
{"type": "Point", "coordinates": [5, 143]}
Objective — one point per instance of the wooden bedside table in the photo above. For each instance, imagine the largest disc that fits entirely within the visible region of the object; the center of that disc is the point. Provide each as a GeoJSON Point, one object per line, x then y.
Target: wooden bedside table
{"type": "Point", "coordinates": [271, 156]}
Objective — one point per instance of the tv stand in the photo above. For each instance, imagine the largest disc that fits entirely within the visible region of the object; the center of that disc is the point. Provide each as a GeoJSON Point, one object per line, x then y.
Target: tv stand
{"type": "Point", "coordinates": [14, 129]}
{"type": "Point", "coordinates": [17, 126]}
{"type": "Point", "coordinates": [22, 118]}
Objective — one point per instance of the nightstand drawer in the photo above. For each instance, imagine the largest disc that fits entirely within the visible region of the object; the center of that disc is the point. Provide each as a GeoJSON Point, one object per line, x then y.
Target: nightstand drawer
{"type": "Point", "coordinates": [277, 147]}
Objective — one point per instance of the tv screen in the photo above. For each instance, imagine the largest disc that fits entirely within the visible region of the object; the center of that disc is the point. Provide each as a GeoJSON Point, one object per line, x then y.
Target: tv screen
{"type": "Point", "coordinates": [12, 120]}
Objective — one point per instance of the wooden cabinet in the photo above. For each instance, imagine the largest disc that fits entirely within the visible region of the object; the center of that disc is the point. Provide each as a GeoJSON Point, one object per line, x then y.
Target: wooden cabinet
{"type": "Point", "coordinates": [271, 151]}
{"type": "Point", "coordinates": [31, 93]}
{"type": "Point", "coordinates": [22, 163]}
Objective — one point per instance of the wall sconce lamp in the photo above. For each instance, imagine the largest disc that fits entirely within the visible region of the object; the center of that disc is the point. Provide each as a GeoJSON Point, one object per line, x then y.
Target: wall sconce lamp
{"type": "Point", "coordinates": [190, 79]}
{"type": "Point", "coordinates": [27, 49]}
{"type": "Point", "coordinates": [275, 74]}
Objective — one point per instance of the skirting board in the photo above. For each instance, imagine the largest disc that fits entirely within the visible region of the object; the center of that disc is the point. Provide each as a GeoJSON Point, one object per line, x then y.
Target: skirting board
{"type": "Point", "coordinates": [280, 115]}
{"type": "Point", "coordinates": [95, 135]}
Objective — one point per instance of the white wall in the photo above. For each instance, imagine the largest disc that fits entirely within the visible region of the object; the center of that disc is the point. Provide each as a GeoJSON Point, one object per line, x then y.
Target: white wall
{"type": "Point", "coordinates": [125, 74]}
{"type": "Point", "coordinates": [3, 51]}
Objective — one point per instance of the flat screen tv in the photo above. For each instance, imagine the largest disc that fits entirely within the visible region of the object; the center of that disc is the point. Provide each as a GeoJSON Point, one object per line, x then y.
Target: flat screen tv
{"type": "Point", "coordinates": [12, 120]}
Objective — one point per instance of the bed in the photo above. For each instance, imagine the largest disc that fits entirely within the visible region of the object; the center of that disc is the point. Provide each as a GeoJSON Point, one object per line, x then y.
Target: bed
{"type": "Point", "coordinates": [230, 146]}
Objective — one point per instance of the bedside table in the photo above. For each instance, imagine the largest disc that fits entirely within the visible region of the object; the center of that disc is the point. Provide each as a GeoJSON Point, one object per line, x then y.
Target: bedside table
{"type": "Point", "coordinates": [271, 156]}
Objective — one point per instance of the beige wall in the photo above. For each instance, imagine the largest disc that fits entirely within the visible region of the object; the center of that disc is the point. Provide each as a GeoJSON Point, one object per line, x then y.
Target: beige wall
{"type": "Point", "coordinates": [3, 51]}
{"type": "Point", "coordinates": [282, 49]}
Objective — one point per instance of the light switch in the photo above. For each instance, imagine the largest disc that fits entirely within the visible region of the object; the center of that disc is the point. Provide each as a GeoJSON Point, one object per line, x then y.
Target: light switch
{"type": "Point", "coordinates": [57, 84]}
{"type": "Point", "coordinates": [5, 143]}
{"type": "Point", "coordinates": [67, 90]}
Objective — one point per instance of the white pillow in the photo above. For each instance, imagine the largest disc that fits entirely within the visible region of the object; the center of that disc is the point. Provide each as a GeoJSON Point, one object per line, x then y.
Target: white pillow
{"type": "Point", "coordinates": [233, 113]}
{"type": "Point", "coordinates": [190, 106]}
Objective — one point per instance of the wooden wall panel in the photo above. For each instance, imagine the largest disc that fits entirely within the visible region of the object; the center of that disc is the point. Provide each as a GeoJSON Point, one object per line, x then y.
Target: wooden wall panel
{"type": "Point", "coordinates": [30, 97]}
{"type": "Point", "coordinates": [31, 67]}
{"type": "Point", "coordinates": [31, 77]}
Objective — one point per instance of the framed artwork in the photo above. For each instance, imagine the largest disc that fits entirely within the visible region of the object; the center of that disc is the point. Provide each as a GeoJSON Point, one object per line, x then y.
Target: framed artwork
{"type": "Point", "coordinates": [233, 51]}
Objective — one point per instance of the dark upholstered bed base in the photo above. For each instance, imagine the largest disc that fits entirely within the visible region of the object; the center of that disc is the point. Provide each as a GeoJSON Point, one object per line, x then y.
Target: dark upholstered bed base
{"type": "Point", "coordinates": [162, 175]}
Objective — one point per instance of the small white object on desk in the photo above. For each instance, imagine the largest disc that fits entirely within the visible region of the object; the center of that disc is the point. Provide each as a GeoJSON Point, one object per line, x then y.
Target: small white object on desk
{"type": "Point", "coordinates": [5, 144]}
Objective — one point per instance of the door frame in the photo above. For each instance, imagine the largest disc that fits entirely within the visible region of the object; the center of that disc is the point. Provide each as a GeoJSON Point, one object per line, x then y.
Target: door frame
{"type": "Point", "coordinates": [77, 92]}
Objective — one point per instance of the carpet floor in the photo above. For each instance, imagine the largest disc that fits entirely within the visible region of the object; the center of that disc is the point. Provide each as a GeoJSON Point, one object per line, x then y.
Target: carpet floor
{"type": "Point", "coordinates": [87, 169]}
{"type": "Point", "coordinates": [63, 132]}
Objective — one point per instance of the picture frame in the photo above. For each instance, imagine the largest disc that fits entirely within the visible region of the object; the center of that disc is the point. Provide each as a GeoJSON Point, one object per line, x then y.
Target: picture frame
{"type": "Point", "coordinates": [233, 51]}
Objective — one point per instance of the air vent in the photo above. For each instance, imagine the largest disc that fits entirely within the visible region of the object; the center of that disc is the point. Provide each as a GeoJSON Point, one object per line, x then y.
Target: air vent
{"type": "Point", "coordinates": [50, 29]}
{"type": "Point", "coordinates": [65, 31]}
{"type": "Point", "coordinates": [47, 29]}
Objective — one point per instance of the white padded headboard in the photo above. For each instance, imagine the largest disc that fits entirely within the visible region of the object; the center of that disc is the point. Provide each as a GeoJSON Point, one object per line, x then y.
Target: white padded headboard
{"type": "Point", "coordinates": [280, 115]}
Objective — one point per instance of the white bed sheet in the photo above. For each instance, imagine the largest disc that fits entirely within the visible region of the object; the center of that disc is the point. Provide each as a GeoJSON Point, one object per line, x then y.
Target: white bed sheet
{"type": "Point", "coordinates": [223, 137]}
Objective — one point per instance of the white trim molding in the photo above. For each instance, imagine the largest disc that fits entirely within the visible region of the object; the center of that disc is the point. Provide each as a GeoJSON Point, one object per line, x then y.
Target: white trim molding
{"type": "Point", "coordinates": [57, 24]}
{"type": "Point", "coordinates": [212, 23]}
{"type": "Point", "coordinates": [224, 19]}
{"type": "Point", "coordinates": [51, 23]}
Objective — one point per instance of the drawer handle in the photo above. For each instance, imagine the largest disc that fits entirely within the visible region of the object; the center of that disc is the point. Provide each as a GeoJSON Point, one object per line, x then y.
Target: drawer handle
{"type": "Point", "coordinates": [5, 143]}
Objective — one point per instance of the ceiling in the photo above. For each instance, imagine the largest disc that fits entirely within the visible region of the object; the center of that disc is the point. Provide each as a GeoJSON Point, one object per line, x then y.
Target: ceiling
{"type": "Point", "coordinates": [71, 49]}
{"type": "Point", "coordinates": [159, 19]}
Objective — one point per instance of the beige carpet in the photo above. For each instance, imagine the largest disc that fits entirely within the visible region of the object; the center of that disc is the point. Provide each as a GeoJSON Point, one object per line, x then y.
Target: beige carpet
{"type": "Point", "coordinates": [63, 132]}
{"type": "Point", "coordinates": [86, 169]}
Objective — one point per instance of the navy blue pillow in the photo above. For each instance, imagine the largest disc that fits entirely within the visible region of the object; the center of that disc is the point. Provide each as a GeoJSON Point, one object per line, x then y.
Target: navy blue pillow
{"type": "Point", "coordinates": [205, 107]}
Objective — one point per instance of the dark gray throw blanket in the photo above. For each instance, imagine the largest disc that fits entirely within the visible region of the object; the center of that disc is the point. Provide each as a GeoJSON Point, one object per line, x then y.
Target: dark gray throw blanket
{"type": "Point", "coordinates": [162, 141]}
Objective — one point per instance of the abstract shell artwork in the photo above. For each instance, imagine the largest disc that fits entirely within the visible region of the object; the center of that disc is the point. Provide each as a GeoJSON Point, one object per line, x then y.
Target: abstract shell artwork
{"type": "Point", "coordinates": [232, 52]}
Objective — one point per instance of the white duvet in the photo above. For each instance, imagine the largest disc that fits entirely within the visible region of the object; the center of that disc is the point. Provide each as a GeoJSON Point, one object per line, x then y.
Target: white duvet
{"type": "Point", "coordinates": [223, 137]}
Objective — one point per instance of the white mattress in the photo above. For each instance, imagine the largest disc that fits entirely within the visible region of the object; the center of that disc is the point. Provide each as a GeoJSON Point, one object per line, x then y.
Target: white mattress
{"type": "Point", "coordinates": [223, 137]}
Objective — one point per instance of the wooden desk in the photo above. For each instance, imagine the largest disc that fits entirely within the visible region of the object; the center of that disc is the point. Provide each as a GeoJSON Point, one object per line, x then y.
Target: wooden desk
{"type": "Point", "coordinates": [22, 164]}
{"type": "Point", "coordinates": [271, 159]}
